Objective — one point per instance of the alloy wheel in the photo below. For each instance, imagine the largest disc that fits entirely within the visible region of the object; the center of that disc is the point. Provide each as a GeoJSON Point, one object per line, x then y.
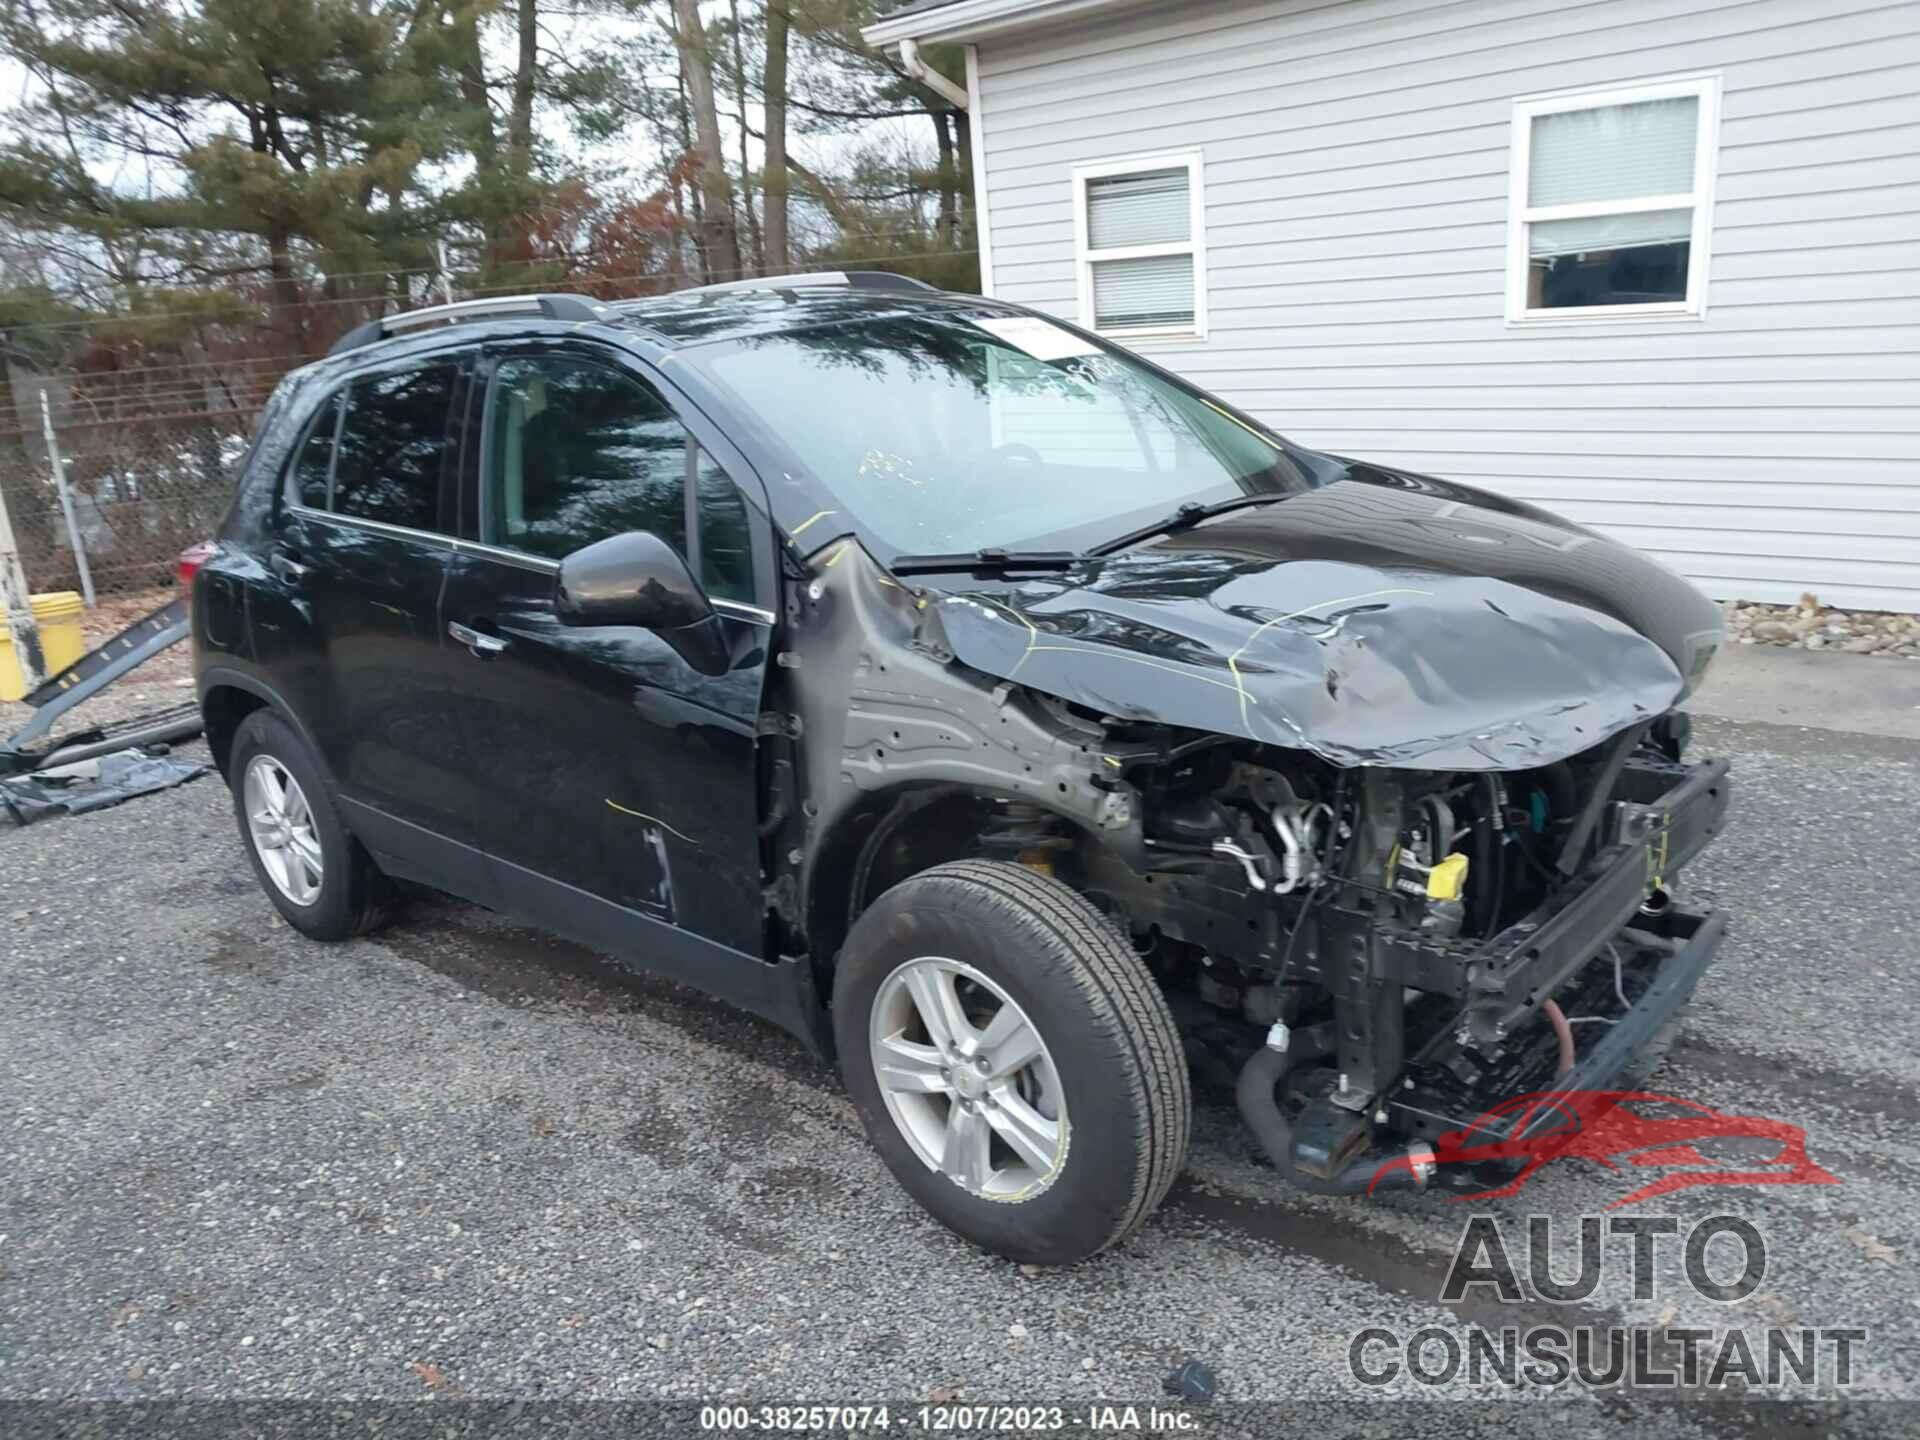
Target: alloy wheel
{"type": "Point", "coordinates": [280, 822]}
{"type": "Point", "coordinates": [968, 1079]}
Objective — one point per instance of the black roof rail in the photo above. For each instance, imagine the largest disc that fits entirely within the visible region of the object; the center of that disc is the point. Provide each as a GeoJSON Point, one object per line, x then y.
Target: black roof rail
{"type": "Point", "coordinates": [549, 307]}
{"type": "Point", "coordinates": [809, 279]}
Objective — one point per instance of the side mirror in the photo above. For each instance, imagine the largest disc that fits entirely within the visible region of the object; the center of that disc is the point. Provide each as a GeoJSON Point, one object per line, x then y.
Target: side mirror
{"type": "Point", "coordinates": [631, 579]}
{"type": "Point", "coordinates": [639, 579]}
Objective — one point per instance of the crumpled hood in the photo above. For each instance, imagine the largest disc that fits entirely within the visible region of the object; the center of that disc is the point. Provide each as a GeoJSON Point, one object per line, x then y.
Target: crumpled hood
{"type": "Point", "coordinates": [1384, 619]}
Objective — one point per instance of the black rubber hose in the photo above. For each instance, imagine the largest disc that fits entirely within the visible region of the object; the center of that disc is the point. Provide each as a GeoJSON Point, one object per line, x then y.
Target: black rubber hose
{"type": "Point", "coordinates": [1259, 1107]}
{"type": "Point", "coordinates": [1494, 877]}
{"type": "Point", "coordinates": [1480, 902]}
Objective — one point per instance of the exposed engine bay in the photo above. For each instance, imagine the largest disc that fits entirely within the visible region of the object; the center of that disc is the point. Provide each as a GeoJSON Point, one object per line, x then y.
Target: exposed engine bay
{"type": "Point", "coordinates": [1371, 956]}
{"type": "Point", "coordinates": [1368, 948]}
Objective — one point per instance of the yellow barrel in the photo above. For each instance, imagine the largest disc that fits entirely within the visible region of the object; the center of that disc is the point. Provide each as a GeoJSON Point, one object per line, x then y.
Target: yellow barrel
{"type": "Point", "coordinates": [62, 640]}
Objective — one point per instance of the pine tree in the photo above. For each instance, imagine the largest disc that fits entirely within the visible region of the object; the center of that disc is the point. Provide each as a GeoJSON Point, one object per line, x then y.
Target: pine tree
{"type": "Point", "coordinates": [286, 142]}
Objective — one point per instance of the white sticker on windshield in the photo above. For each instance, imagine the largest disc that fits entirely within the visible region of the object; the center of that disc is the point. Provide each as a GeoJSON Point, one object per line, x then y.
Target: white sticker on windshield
{"type": "Point", "coordinates": [1041, 339]}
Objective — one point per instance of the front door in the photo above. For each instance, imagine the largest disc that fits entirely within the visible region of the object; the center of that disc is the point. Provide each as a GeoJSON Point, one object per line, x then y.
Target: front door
{"type": "Point", "coordinates": [362, 544]}
{"type": "Point", "coordinates": [621, 779]}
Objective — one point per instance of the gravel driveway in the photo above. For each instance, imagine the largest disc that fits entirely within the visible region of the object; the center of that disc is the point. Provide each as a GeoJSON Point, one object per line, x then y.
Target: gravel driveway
{"type": "Point", "coordinates": [462, 1159]}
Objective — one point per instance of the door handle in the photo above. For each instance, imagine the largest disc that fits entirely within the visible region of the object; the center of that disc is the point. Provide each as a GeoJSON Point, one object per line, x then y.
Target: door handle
{"type": "Point", "coordinates": [287, 566]}
{"type": "Point", "coordinates": [477, 641]}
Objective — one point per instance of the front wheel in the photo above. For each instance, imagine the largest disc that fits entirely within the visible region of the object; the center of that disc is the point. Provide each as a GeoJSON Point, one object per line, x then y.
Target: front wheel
{"type": "Point", "coordinates": [1012, 1060]}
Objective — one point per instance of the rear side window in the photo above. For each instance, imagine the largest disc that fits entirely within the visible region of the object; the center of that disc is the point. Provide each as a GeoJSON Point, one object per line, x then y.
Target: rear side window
{"type": "Point", "coordinates": [392, 439]}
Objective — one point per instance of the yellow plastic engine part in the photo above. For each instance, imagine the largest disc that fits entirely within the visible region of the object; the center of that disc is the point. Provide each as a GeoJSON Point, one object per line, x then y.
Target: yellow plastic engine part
{"type": "Point", "coordinates": [1448, 879]}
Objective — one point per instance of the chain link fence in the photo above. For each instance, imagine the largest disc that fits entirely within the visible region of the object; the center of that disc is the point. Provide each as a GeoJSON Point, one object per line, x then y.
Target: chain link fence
{"type": "Point", "coordinates": [142, 490]}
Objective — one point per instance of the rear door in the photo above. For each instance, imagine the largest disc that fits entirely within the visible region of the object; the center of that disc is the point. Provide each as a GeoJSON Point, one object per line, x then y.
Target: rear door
{"type": "Point", "coordinates": [363, 543]}
{"type": "Point", "coordinates": [621, 780]}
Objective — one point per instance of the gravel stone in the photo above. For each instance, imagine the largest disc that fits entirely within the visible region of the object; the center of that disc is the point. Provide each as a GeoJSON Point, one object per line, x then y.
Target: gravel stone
{"type": "Point", "coordinates": [1814, 626]}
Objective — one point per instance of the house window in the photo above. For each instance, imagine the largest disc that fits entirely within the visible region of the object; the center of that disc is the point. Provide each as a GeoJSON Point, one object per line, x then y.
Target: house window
{"type": "Point", "coordinates": [1612, 202]}
{"type": "Point", "coordinates": [1139, 237]}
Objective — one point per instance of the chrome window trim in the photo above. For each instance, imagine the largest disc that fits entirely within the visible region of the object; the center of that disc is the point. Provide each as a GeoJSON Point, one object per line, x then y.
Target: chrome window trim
{"type": "Point", "coordinates": [511, 557]}
{"type": "Point", "coordinates": [379, 527]}
{"type": "Point", "coordinates": [743, 610]}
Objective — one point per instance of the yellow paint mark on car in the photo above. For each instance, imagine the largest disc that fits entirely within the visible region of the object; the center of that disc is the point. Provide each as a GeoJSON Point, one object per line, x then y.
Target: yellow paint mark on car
{"type": "Point", "coordinates": [1233, 660]}
{"type": "Point", "coordinates": [613, 804]}
{"type": "Point", "coordinates": [817, 515]}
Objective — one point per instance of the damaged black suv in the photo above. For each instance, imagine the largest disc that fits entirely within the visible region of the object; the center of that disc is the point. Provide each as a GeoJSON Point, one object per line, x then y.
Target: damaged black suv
{"type": "Point", "coordinates": [981, 703]}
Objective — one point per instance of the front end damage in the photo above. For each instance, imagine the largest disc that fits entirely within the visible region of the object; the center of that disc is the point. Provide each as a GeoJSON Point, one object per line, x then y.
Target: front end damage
{"type": "Point", "coordinates": [1401, 951]}
{"type": "Point", "coordinates": [1370, 954]}
{"type": "Point", "coordinates": [1425, 1028]}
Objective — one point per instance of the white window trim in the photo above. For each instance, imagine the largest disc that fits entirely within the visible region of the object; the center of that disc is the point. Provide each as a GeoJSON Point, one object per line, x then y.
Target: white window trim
{"type": "Point", "coordinates": [1195, 244]}
{"type": "Point", "coordinates": [1706, 88]}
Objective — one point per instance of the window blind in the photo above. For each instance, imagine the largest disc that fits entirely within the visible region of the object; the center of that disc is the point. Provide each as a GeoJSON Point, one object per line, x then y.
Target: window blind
{"type": "Point", "coordinates": [1127, 210]}
{"type": "Point", "coordinates": [1616, 152]}
{"type": "Point", "coordinates": [1154, 291]}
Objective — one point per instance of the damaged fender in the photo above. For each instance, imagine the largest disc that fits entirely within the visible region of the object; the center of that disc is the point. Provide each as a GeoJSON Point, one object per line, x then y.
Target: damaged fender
{"type": "Point", "coordinates": [883, 708]}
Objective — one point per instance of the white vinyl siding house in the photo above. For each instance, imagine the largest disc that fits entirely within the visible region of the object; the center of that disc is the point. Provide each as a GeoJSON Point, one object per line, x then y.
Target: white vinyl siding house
{"type": "Point", "coordinates": [1654, 264]}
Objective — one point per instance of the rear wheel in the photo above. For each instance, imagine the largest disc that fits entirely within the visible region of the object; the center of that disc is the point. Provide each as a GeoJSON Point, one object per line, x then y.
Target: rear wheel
{"type": "Point", "coordinates": [1012, 1060]}
{"type": "Point", "coordinates": [315, 873]}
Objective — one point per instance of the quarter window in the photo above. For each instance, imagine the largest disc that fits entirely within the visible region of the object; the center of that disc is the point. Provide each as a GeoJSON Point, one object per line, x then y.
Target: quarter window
{"type": "Point", "coordinates": [1612, 196]}
{"type": "Point", "coordinates": [387, 461]}
{"type": "Point", "coordinates": [726, 547]}
{"type": "Point", "coordinates": [313, 465]}
{"type": "Point", "coordinates": [578, 451]}
{"type": "Point", "coordinates": [1142, 260]}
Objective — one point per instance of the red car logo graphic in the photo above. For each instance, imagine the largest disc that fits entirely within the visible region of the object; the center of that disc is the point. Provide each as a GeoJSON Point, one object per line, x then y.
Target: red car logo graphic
{"type": "Point", "coordinates": [1633, 1130]}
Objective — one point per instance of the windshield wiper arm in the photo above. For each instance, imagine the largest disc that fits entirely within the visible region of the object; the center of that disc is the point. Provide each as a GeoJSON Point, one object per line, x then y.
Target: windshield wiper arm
{"type": "Point", "coordinates": [987, 559]}
{"type": "Point", "coordinates": [1185, 518]}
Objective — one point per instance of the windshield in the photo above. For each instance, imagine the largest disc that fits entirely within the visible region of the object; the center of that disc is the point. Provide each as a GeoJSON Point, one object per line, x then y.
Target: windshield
{"type": "Point", "coordinates": [938, 431]}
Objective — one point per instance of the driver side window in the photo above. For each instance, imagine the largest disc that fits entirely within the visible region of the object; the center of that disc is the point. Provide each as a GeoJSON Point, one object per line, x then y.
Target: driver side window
{"type": "Point", "coordinates": [577, 451]}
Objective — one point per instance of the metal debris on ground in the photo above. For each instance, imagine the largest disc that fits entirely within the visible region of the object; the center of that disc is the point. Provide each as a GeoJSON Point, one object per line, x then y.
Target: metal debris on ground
{"type": "Point", "coordinates": [93, 784]}
{"type": "Point", "coordinates": [1192, 1380]}
{"type": "Point", "coordinates": [92, 673]}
